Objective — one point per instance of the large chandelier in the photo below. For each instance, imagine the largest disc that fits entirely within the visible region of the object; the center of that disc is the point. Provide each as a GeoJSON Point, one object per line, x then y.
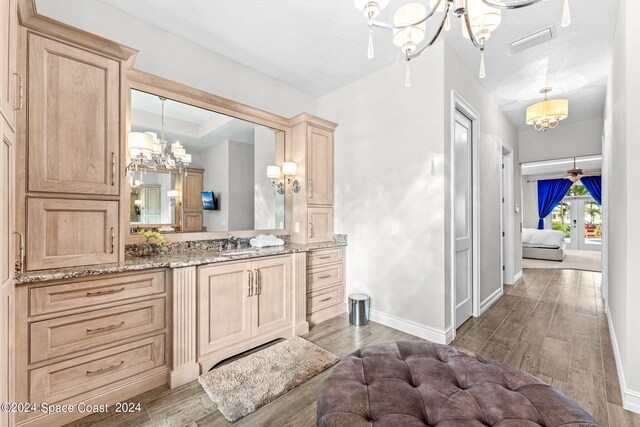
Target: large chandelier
{"type": "Point", "coordinates": [479, 19]}
{"type": "Point", "coordinates": [146, 151]}
{"type": "Point", "coordinates": [548, 113]}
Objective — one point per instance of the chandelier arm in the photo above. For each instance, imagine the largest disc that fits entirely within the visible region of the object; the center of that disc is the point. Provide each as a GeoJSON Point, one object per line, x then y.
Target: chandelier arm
{"type": "Point", "coordinates": [467, 23]}
{"type": "Point", "coordinates": [435, 37]}
{"type": "Point", "coordinates": [387, 26]}
{"type": "Point", "coordinates": [500, 5]}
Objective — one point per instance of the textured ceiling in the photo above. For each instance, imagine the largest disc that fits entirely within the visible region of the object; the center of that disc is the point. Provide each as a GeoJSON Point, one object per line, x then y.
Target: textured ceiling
{"type": "Point", "coordinates": [319, 46]}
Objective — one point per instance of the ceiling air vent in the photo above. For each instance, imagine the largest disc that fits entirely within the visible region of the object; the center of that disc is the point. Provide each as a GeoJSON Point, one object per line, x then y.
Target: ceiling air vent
{"type": "Point", "coordinates": [534, 39]}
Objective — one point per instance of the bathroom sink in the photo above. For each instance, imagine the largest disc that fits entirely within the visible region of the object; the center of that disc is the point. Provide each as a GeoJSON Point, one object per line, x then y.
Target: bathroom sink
{"type": "Point", "coordinates": [240, 252]}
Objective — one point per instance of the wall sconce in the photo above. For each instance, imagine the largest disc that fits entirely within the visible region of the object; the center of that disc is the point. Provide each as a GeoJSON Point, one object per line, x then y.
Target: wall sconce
{"type": "Point", "coordinates": [173, 196]}
{"type": "Point", "coordinates": [273, 173]}
{"type": "Point", "coordinates": [290, 170]}
{"type": "Point", "coordinates": [138, 206]}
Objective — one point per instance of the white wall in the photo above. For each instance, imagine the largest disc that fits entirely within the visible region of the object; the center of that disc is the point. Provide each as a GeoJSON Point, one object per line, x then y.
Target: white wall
{"type": "Point", "coordinates": [264, 198]}
{"type": "Point", "coordinates": [241, 181]}
{"type": "Point", "coordinates": [389, 195]}
{"type": "Point", "coordinates": [621, 154]}
{"type": "Point", "coordinates": [392, 154]}
{"type": "Point", "coordinates": [174, 58]}
{"type": "Point", "coordinates": [568, 140]}
{"type": "Point", "coordinates": [215, 162]}
{"type": "Point", "coordinates": [495, 129]}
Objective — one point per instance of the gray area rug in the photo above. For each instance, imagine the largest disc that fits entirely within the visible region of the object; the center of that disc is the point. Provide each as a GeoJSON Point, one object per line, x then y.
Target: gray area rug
{"type": "Point", "coordinates": [242, 386]}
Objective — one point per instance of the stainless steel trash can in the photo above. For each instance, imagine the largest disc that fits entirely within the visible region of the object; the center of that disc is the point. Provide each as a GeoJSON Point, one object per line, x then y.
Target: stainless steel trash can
{"type": "Point", "coordinates": [358, 309]}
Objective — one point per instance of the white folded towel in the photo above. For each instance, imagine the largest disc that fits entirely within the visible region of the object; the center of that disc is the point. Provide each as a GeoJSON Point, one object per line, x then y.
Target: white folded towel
{"type": "Point", "coordinates": [266, 240]}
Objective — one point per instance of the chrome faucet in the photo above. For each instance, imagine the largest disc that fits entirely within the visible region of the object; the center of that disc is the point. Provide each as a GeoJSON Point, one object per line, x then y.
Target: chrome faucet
{"type": "Point", "coordinates": [232, 243]}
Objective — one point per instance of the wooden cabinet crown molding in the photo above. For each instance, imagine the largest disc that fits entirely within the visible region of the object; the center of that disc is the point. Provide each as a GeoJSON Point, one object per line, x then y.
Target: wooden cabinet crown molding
{"type": "Point", "coordinates": [29, 18]}
{"type": "Point", "coordinates": [314, 121]}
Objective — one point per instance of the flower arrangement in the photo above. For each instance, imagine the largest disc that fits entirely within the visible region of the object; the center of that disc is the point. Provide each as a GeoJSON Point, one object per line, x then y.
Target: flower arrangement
{"type": "Point", "coordinates": [152, 241]}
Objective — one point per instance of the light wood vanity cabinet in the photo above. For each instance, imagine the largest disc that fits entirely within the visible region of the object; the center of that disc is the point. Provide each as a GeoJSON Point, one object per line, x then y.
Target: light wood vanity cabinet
{"type": "Point", "coordinates": [319, 166]}
{"type": "Point", "coordinates": [10, 81]}
{"type": "Point", "coordinates": [93, 340]}
{"type": "Point", "coordinates": [325, 284]}
{"type": "Point", "coordinates": [74, 119]}
{"type": "Point", "coordinates": [311, 148]}
{"type": "Point", "coordinates": [241, 303]}
{"type": "Point", "coordinates": [65, 233]}
{"type": "Point", "coordinates": [190, 186]}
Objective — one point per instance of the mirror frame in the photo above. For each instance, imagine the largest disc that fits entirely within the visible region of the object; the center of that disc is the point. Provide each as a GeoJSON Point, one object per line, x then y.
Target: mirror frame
{"type": "Point", "coordinates": [145, 82]}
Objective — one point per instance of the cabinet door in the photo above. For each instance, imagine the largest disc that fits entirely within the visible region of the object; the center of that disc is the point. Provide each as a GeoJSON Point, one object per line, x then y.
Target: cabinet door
{"type": "Point", "coordinates": [74, 119]}
{"type": "Point", "coordinates": [67, 233]}
{"type": "Point", "coordinates": [224, 311]}
{"type": "Point", "coordinates": [8, 48]}
{"type": "Point", "coordinates": [320, 224]}
{"type": "Point", "coordinates": [192, 185]}
{"type": "Point", "coordinates": [272, 299]}
{"type": "Point", "coordinates": [7, 257]}
{"type": "Point", "coordinates": [319, 166]}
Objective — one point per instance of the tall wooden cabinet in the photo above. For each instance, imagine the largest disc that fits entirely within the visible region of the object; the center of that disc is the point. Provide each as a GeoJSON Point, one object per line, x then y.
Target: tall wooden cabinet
{"type": "Point", "coordinates": [10, 101]}
{"type": "Point", "coordinates": [7, 258]}
{"type": "Point", "coordinates": [190, 185]}
{"type": "Point", "coordinates": [311, 147]}
{"type": "Point", "coordinates": [10, 81]}
{"type": "Point", "coordinates": [70, 143]}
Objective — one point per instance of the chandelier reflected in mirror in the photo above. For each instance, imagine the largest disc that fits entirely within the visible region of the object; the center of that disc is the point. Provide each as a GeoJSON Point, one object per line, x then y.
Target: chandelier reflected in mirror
{"type": "Point", "coordinates": [479, 19]}
{"type": "Point", "coordinates": [146, 151]}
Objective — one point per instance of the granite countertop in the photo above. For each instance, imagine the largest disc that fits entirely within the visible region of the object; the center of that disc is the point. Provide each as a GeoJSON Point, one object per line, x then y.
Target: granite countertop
{"type": "Point", "coordinates": [192, 257]}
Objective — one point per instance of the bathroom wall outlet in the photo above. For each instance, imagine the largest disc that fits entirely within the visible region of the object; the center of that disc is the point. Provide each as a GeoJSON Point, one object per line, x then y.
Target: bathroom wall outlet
{"type": "Point", "coordinates": [296, 227]}
{"type": "Point", "coordinates": [394, 230]}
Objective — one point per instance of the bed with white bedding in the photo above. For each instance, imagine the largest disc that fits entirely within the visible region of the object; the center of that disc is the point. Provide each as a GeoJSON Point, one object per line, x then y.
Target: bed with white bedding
{"type": "Point", "coordinates": [543, 244]}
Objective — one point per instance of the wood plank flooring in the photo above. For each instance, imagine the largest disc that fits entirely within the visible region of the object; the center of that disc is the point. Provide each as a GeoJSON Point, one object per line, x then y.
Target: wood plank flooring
{"type": "Point", "coordinates": [551, 324]}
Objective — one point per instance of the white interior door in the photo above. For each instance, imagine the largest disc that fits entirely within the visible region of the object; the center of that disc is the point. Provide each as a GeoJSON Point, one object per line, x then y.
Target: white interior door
{"type": "Point", "coordinates": [463, 217]}
{"type": "Point", "coordinates": [585, 223]}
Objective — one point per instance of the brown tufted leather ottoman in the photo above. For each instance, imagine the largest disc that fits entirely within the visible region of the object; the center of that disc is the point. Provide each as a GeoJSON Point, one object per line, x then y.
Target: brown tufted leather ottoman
{"type": "Point", "coordinates": [418, 383]}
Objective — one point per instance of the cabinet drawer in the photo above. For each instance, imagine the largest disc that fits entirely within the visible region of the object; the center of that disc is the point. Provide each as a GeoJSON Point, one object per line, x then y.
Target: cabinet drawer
{"type": "Point", "coordinates": [64, 335]}
{"type": "Point", "coordinates": [322, 277]}
{"type": "Point", "coordinates": [72, 378]}
{"type": "Point", "coordinates": [85, 293]}
{"type": "Point", "coordinates": [330, 256]}
{"type": "Point", "coordinates": [325, 298]}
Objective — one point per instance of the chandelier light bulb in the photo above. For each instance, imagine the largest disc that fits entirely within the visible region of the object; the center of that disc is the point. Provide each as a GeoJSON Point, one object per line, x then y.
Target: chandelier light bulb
{"type": "Point", "coordinates": [370, 52]}
{"type": "Point", "coordinates": [407, 15]}
{"type": "Point", "coordinates": [566, 14]}
{"type": "Point", "coordinates": [483, 72]}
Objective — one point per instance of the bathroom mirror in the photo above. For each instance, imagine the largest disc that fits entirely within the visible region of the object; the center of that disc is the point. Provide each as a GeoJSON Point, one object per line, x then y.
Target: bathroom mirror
{"type": "Point", "coordinates": [208, 152]}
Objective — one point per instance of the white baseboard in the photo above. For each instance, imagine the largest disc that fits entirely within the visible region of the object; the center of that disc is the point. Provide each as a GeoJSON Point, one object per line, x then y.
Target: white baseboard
{"type": "Point", "coordinates": [410, 327]}
{"type": "Point", "coordinates": [630, 398]}
{"type": "Point", "coordinates": [487, 303]}
{"type": "Point", "coordinates": [517, 277]}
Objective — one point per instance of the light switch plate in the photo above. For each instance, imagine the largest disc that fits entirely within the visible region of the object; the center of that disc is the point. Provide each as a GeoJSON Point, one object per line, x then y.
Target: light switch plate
{"type": "Point", "coordinates": [296, 227]}
{"type": "Point", "coordinates": [394, 230]}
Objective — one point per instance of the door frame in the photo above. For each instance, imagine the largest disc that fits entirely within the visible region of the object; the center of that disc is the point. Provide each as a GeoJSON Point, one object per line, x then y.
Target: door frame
{"type": "Point", "coordinates": [507, 252]}
{"type": "Point", "coordinates": [458, 103]}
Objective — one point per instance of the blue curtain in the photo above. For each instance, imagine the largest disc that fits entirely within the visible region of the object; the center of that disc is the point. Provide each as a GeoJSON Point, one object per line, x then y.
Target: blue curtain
{"type": "Point", "coordinates": [593, 184]}
{"type": "Point", "coordinates": [550, 193]}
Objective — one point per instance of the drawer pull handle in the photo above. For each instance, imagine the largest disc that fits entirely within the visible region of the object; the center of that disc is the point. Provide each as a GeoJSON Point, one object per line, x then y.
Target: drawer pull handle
{"type": "Point", "coordinates": [258, 284]}
{"type": "Point", "coordinates": [310, 189]}
{"type": "Point", "coordinates": [110, 291]}
{"type": "Point", "coordinates": [108, 368]}
{"type": "Point", "coordinates": [105, 328]}
{"type": "Point", "coordinates": [325, 257]}
{"type": "Point", "coordinates": [113, 239]}
{"type": "Point", "coordinates": [310, 229]}
{"type": "Point", "coordinates": [325, 299]}
{"type": "Point", "coordinates": [250, 292]}
{"type": "Point", "coordinates": [326, 276]}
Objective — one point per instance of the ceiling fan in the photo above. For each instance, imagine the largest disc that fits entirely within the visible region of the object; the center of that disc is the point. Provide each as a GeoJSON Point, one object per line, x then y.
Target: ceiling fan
{"type": "Point", "coordinates": [574, 174]}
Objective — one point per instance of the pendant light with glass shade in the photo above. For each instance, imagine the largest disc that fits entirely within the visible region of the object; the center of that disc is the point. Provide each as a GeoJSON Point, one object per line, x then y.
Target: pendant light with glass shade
{"type": "Point", "coordinates": [479, 19]}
